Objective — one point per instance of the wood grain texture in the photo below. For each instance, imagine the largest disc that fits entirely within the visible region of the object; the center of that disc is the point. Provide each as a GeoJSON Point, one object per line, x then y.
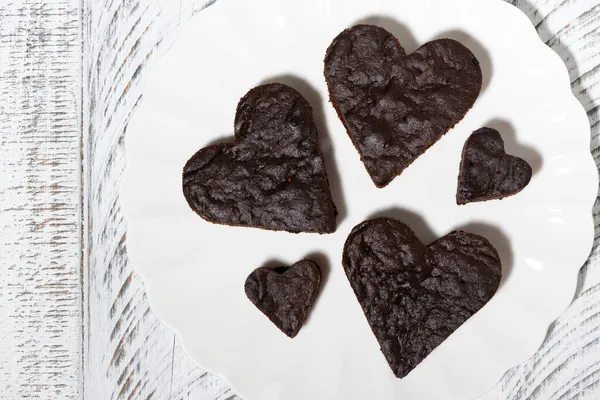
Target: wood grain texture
{"type": "Point", "coordinates": [566, 367]}
{"type": "Point", "coordinates": [121, 351]}
{"type": "Point", "coordinates": [40, 300]}
{"type": "Point", "coordinates": [128, 353]}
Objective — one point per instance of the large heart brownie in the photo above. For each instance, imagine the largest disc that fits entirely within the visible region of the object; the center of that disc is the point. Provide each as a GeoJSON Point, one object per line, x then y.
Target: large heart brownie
{"type": "Point", "coordinates": [285, 294]}
{"type": "Point", "coordinates": [272, 176]}
{"type": "Point", "coordinates": [487, 172]}
{"type": "Point", "coordinates": [393, 105]}
{"type": "Point", "coordinates": [414, 296]}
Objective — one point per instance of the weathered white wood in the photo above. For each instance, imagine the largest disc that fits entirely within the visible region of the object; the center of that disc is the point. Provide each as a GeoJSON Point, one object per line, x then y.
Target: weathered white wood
{"type": "Point", "coordinates": [127, 352]}
{"type": "Point", "coordinates": [566, 364]}
{"type": "Point", "coordinates": [123, 351]}
{"type": "Point", "coordinates": [40, 229]}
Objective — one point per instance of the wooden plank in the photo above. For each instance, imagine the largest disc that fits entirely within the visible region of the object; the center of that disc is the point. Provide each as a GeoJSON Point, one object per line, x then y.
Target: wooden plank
{"type": "Point", "coordinates": [140, 358]}
{"type": "Point", "coordinates": [127, 352]}
{"type": "Point", "coordinates": [40, 299]}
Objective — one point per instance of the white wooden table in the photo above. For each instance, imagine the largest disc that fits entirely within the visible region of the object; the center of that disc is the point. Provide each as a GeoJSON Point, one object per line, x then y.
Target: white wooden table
{"type": "Point", "coordinates": [74, 320]}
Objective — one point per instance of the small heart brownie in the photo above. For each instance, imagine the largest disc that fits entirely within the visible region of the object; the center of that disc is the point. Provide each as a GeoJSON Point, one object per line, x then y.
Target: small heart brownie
{"type": "Point", "coordinates": [285, 294]}
{"type": "Point", "coordinates": [272, 176]}
{"type": "Point", "coordinates": [393, 105]}
{"type": "Point", "coordinates": [487, 172]}
{"type": "Point", "coordinates": [414, 296]}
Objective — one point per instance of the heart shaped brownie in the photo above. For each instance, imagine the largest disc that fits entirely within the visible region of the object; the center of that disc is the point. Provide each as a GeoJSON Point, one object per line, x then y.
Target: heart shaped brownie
{"type": "Point", "coordinates": [414, 296]}
{"type": "Point", "coordinates": [272, 176]}
{"type": "Point", "coordinates": [487, 172]}
{"type": "Point", "coordinates": [285, 294]}
{"type": "Point", "coordinates": [393, 105]}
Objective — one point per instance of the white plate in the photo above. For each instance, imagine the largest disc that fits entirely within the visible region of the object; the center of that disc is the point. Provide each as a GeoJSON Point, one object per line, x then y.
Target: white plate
{"type": "Point", "coordinates": [195, 270]}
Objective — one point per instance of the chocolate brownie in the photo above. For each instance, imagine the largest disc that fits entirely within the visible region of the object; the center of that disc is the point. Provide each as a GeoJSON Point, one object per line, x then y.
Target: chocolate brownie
{"type": "Point", "coordinates": [393, 105]}
{"type": "Point", "coordinates": [415, 296]}
{"type": "Point", "coordinates": [285, 294]}
{"type": "Point", "coordinates": [272, 176]}
{"type": "Point", "coordinates": [487, 172]}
